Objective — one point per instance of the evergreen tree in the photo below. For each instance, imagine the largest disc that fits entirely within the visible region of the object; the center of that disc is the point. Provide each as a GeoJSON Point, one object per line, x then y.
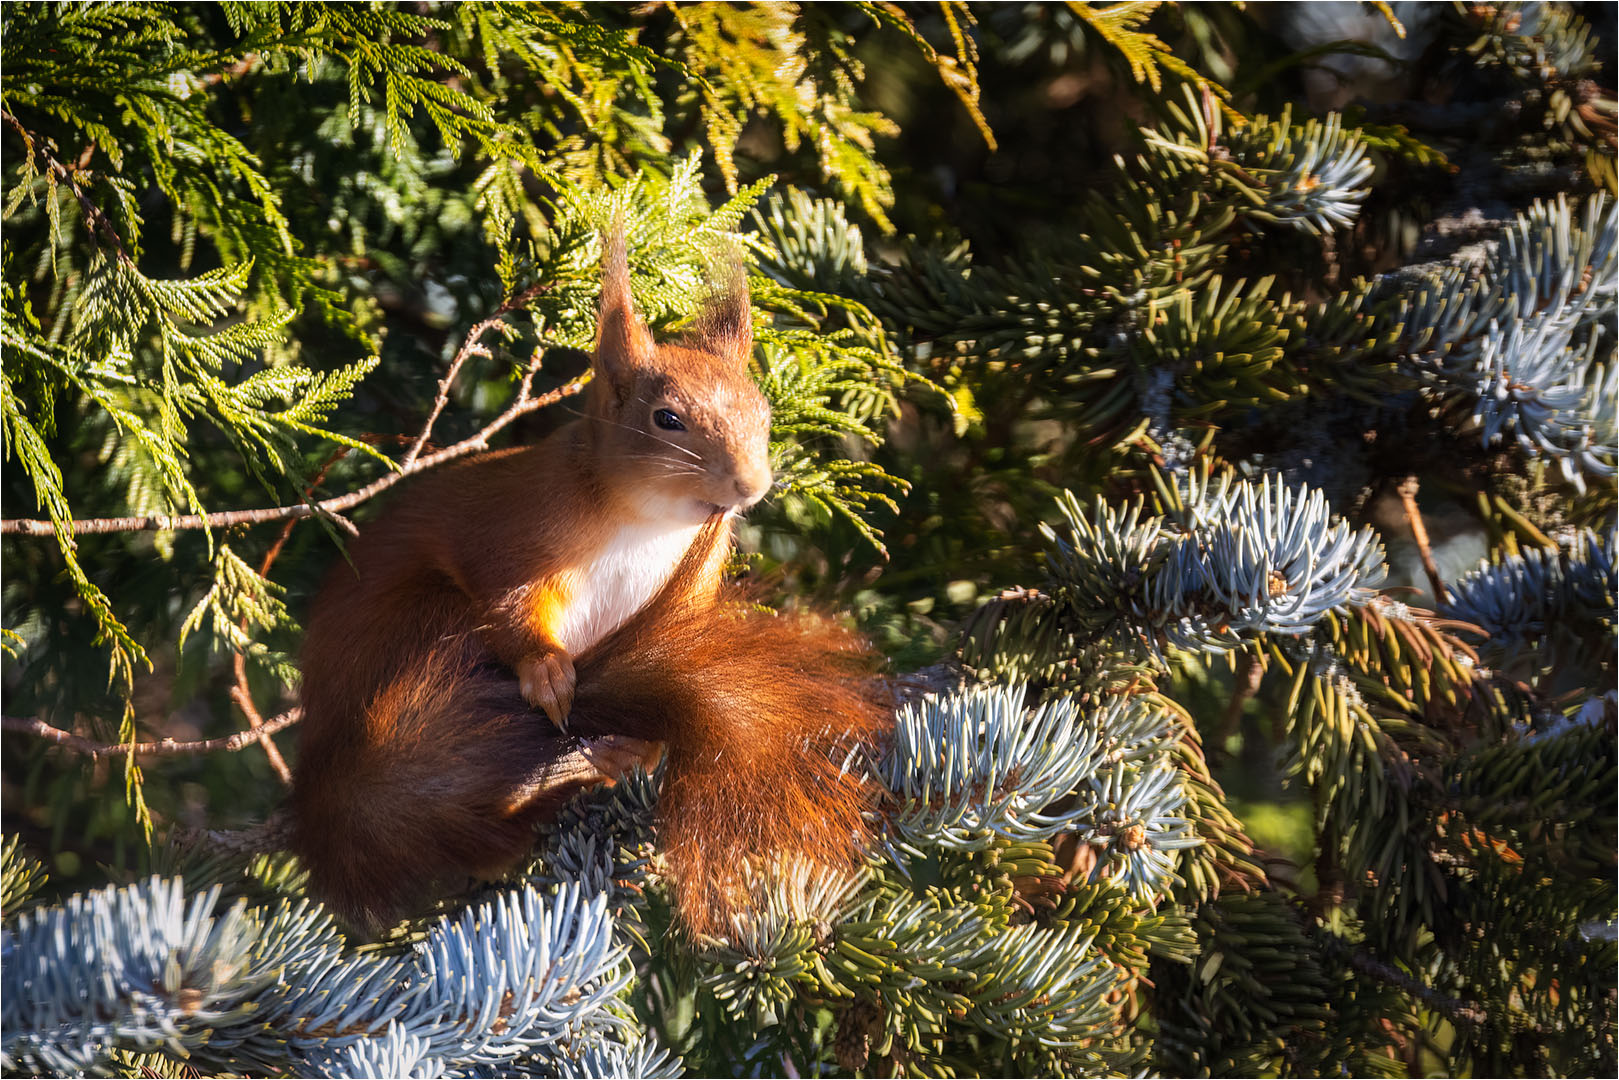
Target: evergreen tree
{"type": "Point", "coordinates": [1122, 470]}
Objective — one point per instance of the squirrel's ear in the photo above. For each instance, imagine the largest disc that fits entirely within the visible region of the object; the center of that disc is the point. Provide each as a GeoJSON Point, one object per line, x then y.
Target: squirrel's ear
{"type": "Point", "coordinates": [623, 343]}
{"type": "Point", "coordinates": [725, 325]}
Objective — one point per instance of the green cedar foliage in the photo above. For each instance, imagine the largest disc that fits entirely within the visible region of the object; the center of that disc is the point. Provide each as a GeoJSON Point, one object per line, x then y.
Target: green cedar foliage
{"type": "Point", "coordinates": [221, 220]}
{"type": "Point", "coordinates": [1132, 446]}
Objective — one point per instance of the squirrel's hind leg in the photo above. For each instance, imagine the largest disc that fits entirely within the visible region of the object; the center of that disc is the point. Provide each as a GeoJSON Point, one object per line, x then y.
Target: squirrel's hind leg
{"type": "Point", "coordinates": [615, 756]}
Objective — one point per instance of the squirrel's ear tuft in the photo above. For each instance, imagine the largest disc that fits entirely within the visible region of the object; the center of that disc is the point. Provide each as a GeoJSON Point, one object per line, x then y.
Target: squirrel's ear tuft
{"type": "Point", "coordinates": [725, 325]}
{"type": "Point", "coordinates": [623, 343]}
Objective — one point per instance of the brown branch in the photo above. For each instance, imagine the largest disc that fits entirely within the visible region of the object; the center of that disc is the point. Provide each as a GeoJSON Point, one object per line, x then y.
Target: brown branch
{"type": "Point", "coordinates": [157, 748]}
{"type": "Point", "coordinates": [1457, 1012]}
{"type": "Point", "coordinates": [272, 835]}
{"type": "Point", "coordinates": [255, 722]}
{"type": "Point", "coordinates": [524, 405]}
{"type": "Point", "coordinates": [1419, 532]}
{"type": "Point", "coordinates": [469, 348]}
{"type": "Point", "coordinates": [93, 214]}
{"type": "Point", "coordinates": [241, 693]}
{"type": "Point", "coordinates": [1250, 673]}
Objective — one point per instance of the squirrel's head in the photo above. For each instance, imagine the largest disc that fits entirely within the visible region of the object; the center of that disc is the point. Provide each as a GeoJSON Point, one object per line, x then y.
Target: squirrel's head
{"type": "Point", "coordinates": [680, 428]}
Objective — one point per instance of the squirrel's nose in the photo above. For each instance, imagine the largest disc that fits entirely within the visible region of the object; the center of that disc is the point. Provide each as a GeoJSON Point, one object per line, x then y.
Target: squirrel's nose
{"type": "Point", "coordinates": [750, 489]}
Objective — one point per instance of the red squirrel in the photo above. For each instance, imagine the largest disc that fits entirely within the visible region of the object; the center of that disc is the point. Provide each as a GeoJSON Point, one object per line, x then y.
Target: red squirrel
{"type": "Point", "coordinates": [532, 621]}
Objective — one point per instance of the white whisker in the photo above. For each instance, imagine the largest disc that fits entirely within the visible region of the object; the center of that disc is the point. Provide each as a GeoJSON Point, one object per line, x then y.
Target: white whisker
{"type": "Point", "coordinates": [682, 467]}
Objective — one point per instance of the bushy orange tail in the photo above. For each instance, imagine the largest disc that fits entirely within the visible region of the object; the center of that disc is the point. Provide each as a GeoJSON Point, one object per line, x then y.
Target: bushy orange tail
{"type": "Point", "coordinates": [759, 714]}
{"type": "Point", "coordinates": [445, 781]}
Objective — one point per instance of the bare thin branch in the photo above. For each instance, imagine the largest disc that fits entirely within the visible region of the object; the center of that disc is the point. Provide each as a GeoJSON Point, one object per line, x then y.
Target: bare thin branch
{"type": "Point", "coordinates": [242, 693]}
{"type": "Point", "coordinates": [1458, 1012]}
{"type": "Point", "coordinates": [255, 722]}
{"type": "Point", "coordinates": [523, 405]}
{"type": "Point", "coordinates": [469, 348]}
{"type": "Point", "coordinates": [1419, 532]}
{"type": "Point", "coordinates": [1250, 673]}
{"type": "Point", "coordinates": [274, 834]}
{"type": "Point", "coordinates": [157, 748]}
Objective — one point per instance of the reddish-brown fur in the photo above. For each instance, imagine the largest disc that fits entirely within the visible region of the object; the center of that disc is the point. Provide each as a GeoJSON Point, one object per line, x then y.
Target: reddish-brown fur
{"type": "Point", "coordinates": [420, 759]}
{"type": "Point", "coordinates": [467, 547]}
{"type": "Point", "coordinates": [759, 713]}
{"type": "Point", "coordinates": [449, 785]}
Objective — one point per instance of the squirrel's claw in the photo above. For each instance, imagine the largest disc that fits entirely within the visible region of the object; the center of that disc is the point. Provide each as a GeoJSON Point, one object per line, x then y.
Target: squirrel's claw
{"type": "Point", "coordinates": [547, 683]}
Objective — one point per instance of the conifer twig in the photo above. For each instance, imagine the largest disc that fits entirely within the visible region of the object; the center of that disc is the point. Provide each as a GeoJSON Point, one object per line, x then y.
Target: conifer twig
{"type": "Point", "coordinates": [523, 405]}
{"type": "Point", "coordinates": [93, 214]}
{"type": "Point", "coordinates": [1419, 532]}
{"type": "Point", "coordinates": [470, 347]}
{"type": "Point", "coordinates": [155, 748]}
{"type": "Point", "coordinates": [412, 462]}
{"type": "Point", "coordinates": [1454, 1010]}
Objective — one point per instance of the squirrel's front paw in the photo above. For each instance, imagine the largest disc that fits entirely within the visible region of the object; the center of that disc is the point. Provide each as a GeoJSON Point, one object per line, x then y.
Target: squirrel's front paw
{"type": "Point", "coordinates": [547, 683]}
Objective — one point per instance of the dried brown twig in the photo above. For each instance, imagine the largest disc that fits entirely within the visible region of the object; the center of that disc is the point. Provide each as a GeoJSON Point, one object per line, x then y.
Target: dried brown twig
{"type": "Point", "coordinates": [1250, 673]}
{"type": "Point", "coordinates": [413, 463]}
{"type": "Point", "coordinates": [241, 693]}
{"type": "Point", "coordinates": [157, 747]}
{"type": "Point", "coordinates": [469, 348]}
{"type": "Point", "coordinates": [1407, 491]}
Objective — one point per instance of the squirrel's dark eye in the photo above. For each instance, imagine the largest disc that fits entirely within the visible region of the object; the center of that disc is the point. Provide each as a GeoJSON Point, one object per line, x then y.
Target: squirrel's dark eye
{"type": "Point", "coordinates": [667, 420]}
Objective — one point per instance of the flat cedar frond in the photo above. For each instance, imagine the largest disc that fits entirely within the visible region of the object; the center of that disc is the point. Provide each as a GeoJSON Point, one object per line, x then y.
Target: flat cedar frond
{"type": "Point", "coordinates": [1120, 26]}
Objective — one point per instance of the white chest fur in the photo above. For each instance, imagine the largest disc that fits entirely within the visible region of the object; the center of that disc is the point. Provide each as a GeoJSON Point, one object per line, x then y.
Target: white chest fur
{"type": "Point", "coordinates": [632, 566]}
